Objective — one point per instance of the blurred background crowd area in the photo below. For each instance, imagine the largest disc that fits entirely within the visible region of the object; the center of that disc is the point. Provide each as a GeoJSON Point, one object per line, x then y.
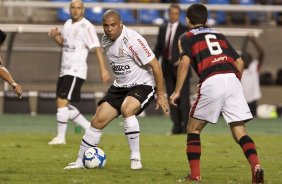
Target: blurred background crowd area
{"type": "Point", "coordinates": [146, 16]}
{"type": "Point", "coordinates": [34, 59]}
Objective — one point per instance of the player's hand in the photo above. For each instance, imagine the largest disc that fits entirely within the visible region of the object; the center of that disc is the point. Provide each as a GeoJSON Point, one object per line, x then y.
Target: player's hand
{"type": "Point", "coordinates": [17, 89]}
{"type": "Point", "coordinates": [54, 32]}
{"type": "Point", "coordinates": [162, 102]}
{"type": "Point", "coordinates": [173, 98]}
{"type": "Point", "coordinates": [105, 77]}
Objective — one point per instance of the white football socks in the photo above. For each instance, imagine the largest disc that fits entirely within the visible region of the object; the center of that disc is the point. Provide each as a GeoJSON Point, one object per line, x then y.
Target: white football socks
{"type": "Point", "coordinates": [77, 117]}
{"type": "Point", "coordinates": [132, 131]}
{"type": "Point", "coordinates": [91, 138]}
{"type": "Point", "coordinates": [62, 122]}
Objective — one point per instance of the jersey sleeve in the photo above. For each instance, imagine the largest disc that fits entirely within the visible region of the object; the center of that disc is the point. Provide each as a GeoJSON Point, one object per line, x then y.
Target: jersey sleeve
{"type": "Point", "coordinates": [140, 49]}
{"type": "Point", "coordinates": [90, 37]}
{"type": "Point", "coordinates": [183, 46]}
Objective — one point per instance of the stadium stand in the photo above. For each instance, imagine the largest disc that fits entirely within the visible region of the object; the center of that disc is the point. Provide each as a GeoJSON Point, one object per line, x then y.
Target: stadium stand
{"type": "Point", "coordinates": [148, 16]}
{"type": "Point", "coordinates": [63, 14]}
{"type": "Point", "coordinates": [126, 14]}
{"type": "Point", "coordinates": [33, 50]}
{"type": "Point", "coordinates": [190, 1]}
{"type": "Point", "coordinates": [94, 14]}
{"type": "Point", "coordinates": [46, 103]}
{"type": "Point", "coordinates": [12, 104]}
{"type": "Point", "coordinates": [253, 16]}
{"type": "Point", "coordinates": [218, 17]}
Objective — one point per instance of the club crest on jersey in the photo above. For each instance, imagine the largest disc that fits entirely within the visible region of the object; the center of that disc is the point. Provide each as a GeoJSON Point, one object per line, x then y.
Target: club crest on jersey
{"type": "Point", "coordinates": [75, 33]}
{"type": "Point", "coordinates": [83, 25]}
{"type": "Point", "coordinates": [144, 47]}
{"type": "Point", "coordinates": [120, 52]}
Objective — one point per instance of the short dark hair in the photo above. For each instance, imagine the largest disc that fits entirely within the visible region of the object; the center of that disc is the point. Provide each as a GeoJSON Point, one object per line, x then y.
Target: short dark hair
{"type": "Point", "coordinates": [2, 37]}
{"type": "Point", "coordinates": [197, 14]}
{"type": "Point", "coordinates": [175, 5]}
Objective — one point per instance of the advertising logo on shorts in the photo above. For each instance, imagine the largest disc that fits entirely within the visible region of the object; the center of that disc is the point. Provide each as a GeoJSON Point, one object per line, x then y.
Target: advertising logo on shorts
{"type": "Point", "coordinates": [144, 47]}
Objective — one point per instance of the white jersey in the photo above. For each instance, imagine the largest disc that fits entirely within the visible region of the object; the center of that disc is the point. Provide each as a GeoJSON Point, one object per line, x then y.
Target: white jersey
{"type": "Point", "coordinates": [128, 55]}
{"type": "Point", "coordinates": [79, 38]}
{"type": "Point", "coordinates": [250, 82]}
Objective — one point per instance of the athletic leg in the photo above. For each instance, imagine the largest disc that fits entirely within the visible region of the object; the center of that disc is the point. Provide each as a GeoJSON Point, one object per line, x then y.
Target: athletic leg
{"type": "Point", "coordinates": [249, 149]}
{"type": "Point", "coordinates": [193, 149]}
{"type": "Point", "coordinates": [77, 117]}
{"type": "Point", "coordinates": [105, 113]}
{"type": "Point", "coordinates": [62, 117]}
{"type": "Point", "coordinates": [129, 108]}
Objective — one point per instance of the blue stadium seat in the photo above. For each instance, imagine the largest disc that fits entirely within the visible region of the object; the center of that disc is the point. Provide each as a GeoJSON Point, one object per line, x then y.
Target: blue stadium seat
{"type": "Point", "coordinates": [125, 14]}
{"type": "Point", "coordinates": [182, 18]}
{"type": "Point", "coordinates": [150, 16]}
{"type": "Point", "coordinates": [94, 14]}
{"type": "Point", "coordinates": [63, 14]}
{"type": "Point", "coordinates": [247, 2]}
{"type": "Point", "coordinates": [189, 1]}
{"type": "Point", "coordinates": [112, 1]}
{"type": "Point", "coordinates": [220, 15]}
{"type": "Point", "coordinates": [252, 15]}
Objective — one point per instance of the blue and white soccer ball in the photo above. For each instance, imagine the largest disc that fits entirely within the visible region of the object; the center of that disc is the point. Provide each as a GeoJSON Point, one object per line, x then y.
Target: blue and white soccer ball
{"type": "Point", "coordinates": [94, 158]}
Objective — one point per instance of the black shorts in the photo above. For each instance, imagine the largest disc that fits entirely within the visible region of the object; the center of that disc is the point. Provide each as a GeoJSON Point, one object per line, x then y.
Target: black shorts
{"type": "Point", "coordinates": [116, 95]}
{"type": "Point", "coordinates": [68, 87]}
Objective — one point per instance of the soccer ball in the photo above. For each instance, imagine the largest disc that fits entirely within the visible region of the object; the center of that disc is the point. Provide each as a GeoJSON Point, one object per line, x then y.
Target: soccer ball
{"type": "Point", "coordinates": [94, 158]}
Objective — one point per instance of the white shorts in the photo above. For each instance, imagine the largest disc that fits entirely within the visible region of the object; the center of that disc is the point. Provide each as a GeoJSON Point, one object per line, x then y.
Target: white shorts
{"type": "Point", "coordinates": [221, 93]}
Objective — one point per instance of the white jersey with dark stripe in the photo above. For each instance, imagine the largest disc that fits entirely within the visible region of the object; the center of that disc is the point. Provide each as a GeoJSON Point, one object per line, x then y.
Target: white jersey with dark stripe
{"type": "Point", "coordinates": [128, 56]}
{"type": "Point", "coordinates": [79, 38]}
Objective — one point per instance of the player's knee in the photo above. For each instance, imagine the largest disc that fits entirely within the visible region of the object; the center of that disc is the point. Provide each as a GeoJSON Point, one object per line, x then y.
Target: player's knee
{"type": "Point", "coordinates": [127, 112]}
{"type": "Point", "coordinates": [73, 112]}
{"type": "Point", "coordinates": [62, 114]}
{"type": "Point", "coordinates": [98, 121]}
{"type": "Point", "coordinates": [194, 129]}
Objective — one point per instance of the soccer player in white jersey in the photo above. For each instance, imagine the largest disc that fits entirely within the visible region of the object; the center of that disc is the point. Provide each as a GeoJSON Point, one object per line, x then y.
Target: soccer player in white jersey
{"type": "Point", "coordinates": [138, 76]}
{"type": "Point", "coordinates": [77, 38]}
{"type": "Point", "coordinates": [5, 74]}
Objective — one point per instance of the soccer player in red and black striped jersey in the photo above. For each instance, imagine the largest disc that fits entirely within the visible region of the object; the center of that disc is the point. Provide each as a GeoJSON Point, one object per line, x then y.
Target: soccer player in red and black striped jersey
{"type": "Point", "coordinates": [219, 68]}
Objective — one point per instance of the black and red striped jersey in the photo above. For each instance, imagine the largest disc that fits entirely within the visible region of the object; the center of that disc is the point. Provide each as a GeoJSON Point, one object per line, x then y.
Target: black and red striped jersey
{"type": "Point", "coordinates": [209, 51]}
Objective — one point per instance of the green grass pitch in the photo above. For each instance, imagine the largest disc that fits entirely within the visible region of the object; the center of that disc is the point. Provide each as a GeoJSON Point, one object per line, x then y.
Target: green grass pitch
{"type": "Point", "coordinates": [25, 157]}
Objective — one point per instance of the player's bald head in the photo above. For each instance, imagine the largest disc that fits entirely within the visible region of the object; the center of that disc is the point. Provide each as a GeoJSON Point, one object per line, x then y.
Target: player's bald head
{"type": "Point", "coordinates": [77, 1]}
{"type": "Point", "coordinates": [112, 24]}
{"type": "Point", "coordinates": [111, 13]}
